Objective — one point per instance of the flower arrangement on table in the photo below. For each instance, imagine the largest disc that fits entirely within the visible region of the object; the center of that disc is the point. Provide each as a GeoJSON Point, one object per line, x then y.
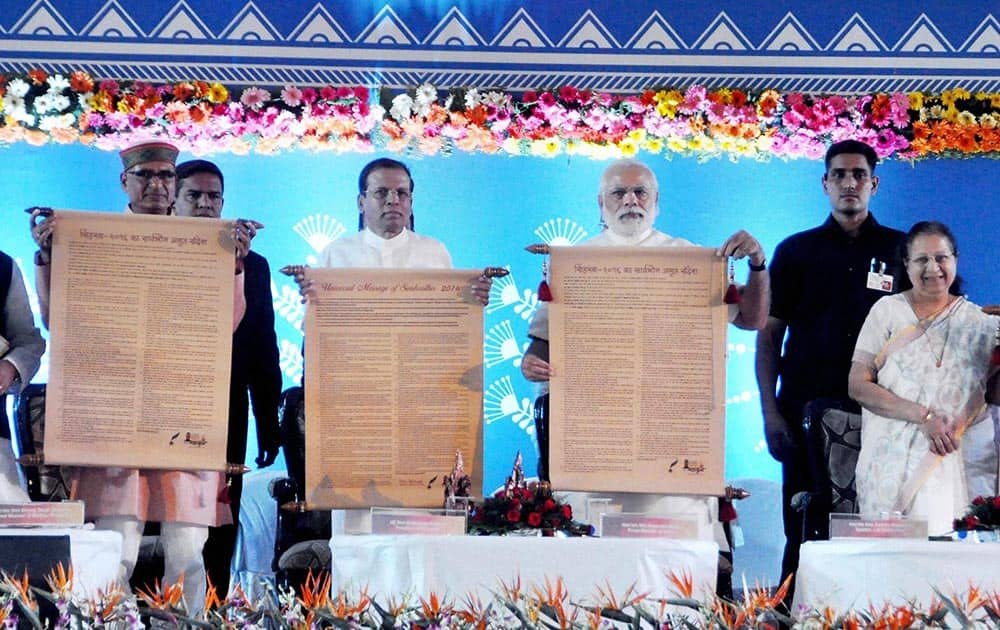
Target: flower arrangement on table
{"type": "Point", "coordinates": [521, 506]}
{"type": "Point", "coordinates": [41, 107]}
{"type": "Point", "coordinates": [982, 515]}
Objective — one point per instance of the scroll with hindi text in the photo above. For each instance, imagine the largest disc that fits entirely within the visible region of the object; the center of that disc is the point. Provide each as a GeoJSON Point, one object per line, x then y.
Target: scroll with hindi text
{"type": "Point", "coordinates": [141, 323]}
{"type": "Point", "coordinates": [637, 344]}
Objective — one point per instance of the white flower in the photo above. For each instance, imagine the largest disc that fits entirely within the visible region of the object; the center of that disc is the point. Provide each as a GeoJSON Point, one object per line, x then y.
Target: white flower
{"type": "Point", "coordinates": [426, 94]}
{"type": "Point", "coordinates": [496, 98]}
{"type": "Point", "coordinates": [13, 106]}
{"type": "Point", "coordinates": [57, 83]}
{"type": "Point", "coordinates": [448, 101]}
{"type": "Point", "coordinates": [402, 107]}
{"type": "Point", "coordinates": [471, 98]}
{"type": "Point", "coordinates": [48, 123]}
{"type": "Point", "coordinates": [18, 87]}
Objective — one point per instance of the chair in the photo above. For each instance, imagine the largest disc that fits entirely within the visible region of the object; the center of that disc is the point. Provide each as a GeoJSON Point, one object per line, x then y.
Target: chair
{"type": "Point", "coordinates": [833, 440]}
{"type": "Point", "coordinates": [302, 537]}
{"type": "Point", "coordinates": [42, 483]}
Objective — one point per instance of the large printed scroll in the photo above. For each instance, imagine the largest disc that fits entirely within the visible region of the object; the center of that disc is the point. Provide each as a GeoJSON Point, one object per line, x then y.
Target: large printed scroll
{"type": "Point", "coordinates": [393, 385]}
{"type": "Point", "coordinates": [141, 318]}
{"type": "Point", "coordinates": [638, 341]}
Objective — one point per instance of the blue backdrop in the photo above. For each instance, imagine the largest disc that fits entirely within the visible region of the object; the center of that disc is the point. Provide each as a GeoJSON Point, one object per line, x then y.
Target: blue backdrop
{"type": "Point", "coordinates": [487, 208]}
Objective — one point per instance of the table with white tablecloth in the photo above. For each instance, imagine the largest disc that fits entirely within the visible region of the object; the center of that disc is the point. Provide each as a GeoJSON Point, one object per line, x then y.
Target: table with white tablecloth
{"type": "Point", "coordinates": [94, 553]}
{"type": "Point", "coordinates": [457, 565]}
{"type": "Point", "coordinates": [851, 573]}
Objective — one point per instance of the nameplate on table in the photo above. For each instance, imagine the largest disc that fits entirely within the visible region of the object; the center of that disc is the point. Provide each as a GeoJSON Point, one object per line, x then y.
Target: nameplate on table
{"type": "Point", "coordinates": [42, 514]}
{"type": "Point", "coordinates": [854, 526]}
{"type": "Point", "coordinates": [626, 525]}
{"type": "Point", "coordinates": [410, 522]}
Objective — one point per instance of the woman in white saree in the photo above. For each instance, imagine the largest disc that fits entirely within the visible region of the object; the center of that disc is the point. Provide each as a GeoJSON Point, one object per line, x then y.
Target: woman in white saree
{"type": "Point", "coordinates": [920, 371]}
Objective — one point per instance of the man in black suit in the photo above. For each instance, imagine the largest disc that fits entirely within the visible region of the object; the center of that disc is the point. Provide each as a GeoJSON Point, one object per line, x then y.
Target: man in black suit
{"type": "Point", "coordinates": [256, 376]}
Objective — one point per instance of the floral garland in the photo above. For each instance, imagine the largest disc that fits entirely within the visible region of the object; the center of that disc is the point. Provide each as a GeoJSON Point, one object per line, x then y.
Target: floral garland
{"type": "Point", "coordinates": [203, 118]}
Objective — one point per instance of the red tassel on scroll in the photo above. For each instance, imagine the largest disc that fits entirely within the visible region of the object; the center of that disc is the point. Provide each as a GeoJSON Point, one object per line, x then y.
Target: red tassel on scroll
{"type": "Point", "coordinates": [544, 293]}
{"type": "Point", "coordinates": [732, 295]}
{"type": "Point", "coordinates": [995, 359]}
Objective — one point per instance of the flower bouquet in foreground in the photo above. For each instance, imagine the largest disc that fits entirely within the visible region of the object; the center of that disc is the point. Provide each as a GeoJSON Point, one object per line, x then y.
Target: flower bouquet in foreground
{"type": "Point", "coordinates": [982, 515]}
{"type": "Point", "coordinates": [521, 506]}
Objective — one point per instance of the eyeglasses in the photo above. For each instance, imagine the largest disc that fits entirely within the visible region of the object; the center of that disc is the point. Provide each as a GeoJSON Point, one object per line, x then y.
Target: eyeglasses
{"type": "Point", "coordinates": [148, 175]}
{"type": "Point", "coordinates": [194, 195]}
{"type": "Point", "coordinates": [840, 174]}
{"type": "Point", "coordinates": [939, 259]}
{"type": "Point", "coordinates": [619, 194]}
{"type": "Point", "coordinates": [383, 193]}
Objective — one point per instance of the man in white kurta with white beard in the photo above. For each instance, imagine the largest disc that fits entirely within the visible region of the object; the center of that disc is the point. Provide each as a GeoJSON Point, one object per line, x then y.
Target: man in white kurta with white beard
{"type": "Point", "coordinates": [629, 203]}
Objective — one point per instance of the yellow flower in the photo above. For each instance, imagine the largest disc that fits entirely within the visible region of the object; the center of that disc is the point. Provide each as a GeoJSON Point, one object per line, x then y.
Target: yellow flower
{"type": "Point", "coordinates": [637, 135]}
{"type": "Point", "coordinates": [951, 114]}
{"type": "Point", "coordinates": [653, 145]}
{"type": "Point", "coordinates": [995, 100]}
{"type": "Point", "coordinates": [677, 145]}
{"type": "Point", "coordinates": [551, 147]}
{"type": "Point", "coordinates": [916, 100]}
{"type": "Point", "coordinates": [628, 147]}
{"type": "Point", "coordinates": [218, 93]}
{"type": "Point", "coordinates": [667, 102]}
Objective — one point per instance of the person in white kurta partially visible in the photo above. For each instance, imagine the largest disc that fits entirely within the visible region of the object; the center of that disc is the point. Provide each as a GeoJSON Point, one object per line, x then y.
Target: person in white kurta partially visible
{"type": "Point", "coordinates": [920, 371]}
{"type": "Point", "coordinates": [629, 201]}
{"type": "Point", "coordinates": [21, 349]}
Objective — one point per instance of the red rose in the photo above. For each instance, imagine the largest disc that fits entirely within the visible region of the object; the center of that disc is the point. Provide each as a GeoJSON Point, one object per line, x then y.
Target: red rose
{"type": "Point", "coordinates": [978, 501]}
{"type": "Point", "coordinates": [549, 505]}
{"type": "Point", "coordinates": [567, 512]}
{"type": "Point", "coordinates": [534, 519]}
{"type": "Point", "coordinates": [513, 516]}
{"type": "Point", "coordinates": [996, 503]}
{"type": "Point", "coordinates": [971, 522]}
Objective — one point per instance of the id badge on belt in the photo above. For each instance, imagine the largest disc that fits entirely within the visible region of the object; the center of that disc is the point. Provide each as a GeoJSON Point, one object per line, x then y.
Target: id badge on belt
{"type": "Point", "coordinates": [878, 279]}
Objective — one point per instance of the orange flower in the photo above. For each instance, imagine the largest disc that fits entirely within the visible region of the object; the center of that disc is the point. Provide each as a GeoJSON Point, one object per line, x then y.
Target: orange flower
{"type": "Point", "coordinates": [35, 137]}
{"type": "Point", "coordinates": [684, 583]}
{"type": "Point", "coordinates": [183, 91]}
{"type": "Point", "coordinates": [38, 76]}
{"type": "Point", "coordinates": [64, 135]}
{"type": "Point", "coordinates": [80, 81]}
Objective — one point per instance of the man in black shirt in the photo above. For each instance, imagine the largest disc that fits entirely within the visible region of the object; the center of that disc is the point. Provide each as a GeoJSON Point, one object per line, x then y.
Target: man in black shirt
{"type": "Point", "coordinates": [823, 282]}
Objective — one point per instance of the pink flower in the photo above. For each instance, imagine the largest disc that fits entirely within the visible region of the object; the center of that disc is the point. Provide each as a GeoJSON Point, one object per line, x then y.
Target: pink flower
{"type": "Point", "coordinates": [254, 97]}
{"type": "Point", "coordinates": [309, 95]}
{"type": "Point", "coordinates": [110, 86]}
{"type": "Point", "coordinates": [291, 95]}
{"type": "Point", "coordinates": [327, 93]}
